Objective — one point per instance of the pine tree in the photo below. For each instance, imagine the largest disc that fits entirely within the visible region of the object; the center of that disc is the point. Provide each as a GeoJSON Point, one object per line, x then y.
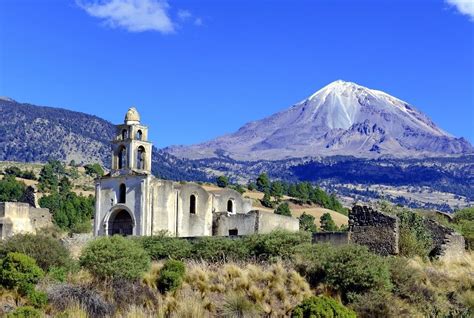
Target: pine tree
{"type": "Point", "coordinates": [307, 223]}
{"type": "Point", "coordinates": [327, 223]}
{"type": "Point", "coordinates": [276, 190]}
{"type": "Point", "coordinates": [263, 183]}
{"type": "Point", "coordinates": [283, 209]}
{"type": "Point", "coordinates": [267, 200]}
{"type": "Point", "coordinates": [222, 181]}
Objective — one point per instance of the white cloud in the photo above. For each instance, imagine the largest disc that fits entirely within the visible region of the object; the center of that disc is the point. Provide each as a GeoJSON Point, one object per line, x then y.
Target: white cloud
{"type": "Point", "coordinates": [198, 21]}
{"type": "Point", "coordinates": [184, 14]}
{"type": "Point", "coordinates": [132, 15]}
{"type": "Point", "coordinates": [464, 6]}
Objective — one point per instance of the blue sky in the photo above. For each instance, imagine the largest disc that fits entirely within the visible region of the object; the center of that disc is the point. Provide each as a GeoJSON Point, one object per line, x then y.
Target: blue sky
{"type": "Point", "coordinates": [199, 69]}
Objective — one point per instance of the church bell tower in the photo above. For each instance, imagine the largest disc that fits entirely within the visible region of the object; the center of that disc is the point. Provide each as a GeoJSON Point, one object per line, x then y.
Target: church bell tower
{"type": "Point", "coordinates": [131, 148]}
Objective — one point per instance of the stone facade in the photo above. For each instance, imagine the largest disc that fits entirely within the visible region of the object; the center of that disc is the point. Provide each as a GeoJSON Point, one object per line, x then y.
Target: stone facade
{"type": "Point", "coordinates": [16, 217]}
{"type": "Point", "coordinates": [131, 201]}
{"type": "Point", "coordinates": [376, 230]}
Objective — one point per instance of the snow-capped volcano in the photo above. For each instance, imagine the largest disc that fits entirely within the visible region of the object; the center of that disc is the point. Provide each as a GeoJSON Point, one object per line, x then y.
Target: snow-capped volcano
{"type": "Point", "coordinates": [342, 118]}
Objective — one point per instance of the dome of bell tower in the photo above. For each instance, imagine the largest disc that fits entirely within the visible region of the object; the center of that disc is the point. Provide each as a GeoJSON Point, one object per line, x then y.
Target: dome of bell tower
{"type": "Point", "coordinates": [132, 116]}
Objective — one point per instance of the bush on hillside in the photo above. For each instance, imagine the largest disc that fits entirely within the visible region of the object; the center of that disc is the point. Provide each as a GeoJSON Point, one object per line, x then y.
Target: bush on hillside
{"type": "Point", "coordinates": [214, 249]}
{"type": "Point", "coordinates": [327, 223]}
{"type": "Point", "coordinates": [415, 239]}
{"type": "Point", "coordinates": [277, 244]}
{"type": "Point", "coordinates": [18, 270]}
{"type": "Point", "coordinates": [162, 247]}
{"type": "Point", "coordinates": [115, 257]}
{"type": "Point", "coordinates": [25, 312]}
{"type": "Point", "coordinates": [353, 269]}
{"type": "Point", "coordinates": [46, 250]}
{"type": "Point", "coordinates": [307, 223]}
{"type": "Point", "coordinates": [321, 307]}
{"type": "Point", "coordinates": [171, 276]}
{"type": "Point", "coordinates": [11, 190]}
{"type": "Point", "coordinates": [464, 223]}
{"type": "Point", "coordinates": [349, 269]}
{"type": "Point", "coordinates": [283, 209]}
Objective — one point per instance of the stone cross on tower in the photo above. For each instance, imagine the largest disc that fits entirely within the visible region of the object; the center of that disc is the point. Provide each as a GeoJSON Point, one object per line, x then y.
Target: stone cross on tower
{"type": "Point", "coordinates": [131, 150]}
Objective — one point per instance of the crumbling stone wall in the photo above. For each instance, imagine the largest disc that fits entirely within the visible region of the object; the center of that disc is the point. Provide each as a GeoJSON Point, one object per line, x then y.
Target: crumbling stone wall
{"type": "Point", "coordinates": [335, 238]}
{"type": "Point", "coordinates": [376, 230]}
{"type": "Point", "coordinates": [447, 243]}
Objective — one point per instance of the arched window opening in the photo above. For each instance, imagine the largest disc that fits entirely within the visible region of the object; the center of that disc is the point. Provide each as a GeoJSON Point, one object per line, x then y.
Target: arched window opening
{"type": "Point", "coordinates": [141, 158]}
{"type": "Point", "coordinates": [124, 134]}
{"type": "Point", "coordinates": [230, 206]}
{"type": "Point", "coordinates": [120, 223]}
{"type": "Point", "coordinates": [122, 157]}
{"type": "Point", "coordinates": [139, 135]}
{"type": "Point", "coordinates": [192, 204]}
{"type": "Point", "coordinates": [122, 193]}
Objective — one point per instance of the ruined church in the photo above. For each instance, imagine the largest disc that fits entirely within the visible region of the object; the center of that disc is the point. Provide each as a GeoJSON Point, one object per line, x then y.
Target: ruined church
{"type": "Point", "coordinates": [131, 201]}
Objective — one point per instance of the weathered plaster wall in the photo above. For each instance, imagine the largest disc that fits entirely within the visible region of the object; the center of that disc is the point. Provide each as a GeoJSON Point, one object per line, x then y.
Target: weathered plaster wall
{"type": "Point", "coordinates": [199, 223]}
{"type": "Point", "coordinates": [376, 230]}
{"type": "Point", "coordinates": [16, 217]}
{"type": "Point", "coordinates": [222, 196]}
{"type": "Point", "coordinates": [252, 222]}
{"type": "Point", "coordinates": [268, 222]}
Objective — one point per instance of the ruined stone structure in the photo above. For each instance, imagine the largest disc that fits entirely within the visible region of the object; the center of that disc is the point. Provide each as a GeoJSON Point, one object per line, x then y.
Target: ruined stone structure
{"type": "Point", "coordinates": [16, 217]}
{"type": "Point", "coordinates": [380, 233]}
{"type": "Point", "coordinates": [376, 230]}
{"type": "Point", "coordinates": [131, 201]}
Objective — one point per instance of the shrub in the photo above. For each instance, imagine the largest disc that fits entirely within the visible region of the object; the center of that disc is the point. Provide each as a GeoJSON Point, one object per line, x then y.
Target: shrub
{"type": "Point", "coordinates": [278, 243]}
{"type": "Point", "coordinates": [222, 181]}
{"type": "Point", "coordinates": [238, 305]}
{"type": "Point", "coordinates": [37, 299]}
{"type": "Point", "coordinates": [25, 312]}
{"type": "Point", "coordinates": [161, 247]}
{"type": "Point", "coordinates": [19, 270]}
{"type": "Point", "coordinates": [347, 269]}
{"type": "Point", "coordinates": [353, 269]}
{"type": "Point", "coordinates": [128, 293]}
{"type": "Point", "coordinates": [115, 257]}
{"type": "Point", "coordinates": [63, 296]}
{"type": "Point", "coordinates": [415, 239]}
{"type": "Point", "coordinates": [382, 304]}
{"type": "Point", "coordinates": [322, 307]}
{"type": "Point", "coordinates": [171, 276]}
{"type": "Point", "coordinates": [219, 249]}
{"type": "Point", "coordinates": [36, 246]}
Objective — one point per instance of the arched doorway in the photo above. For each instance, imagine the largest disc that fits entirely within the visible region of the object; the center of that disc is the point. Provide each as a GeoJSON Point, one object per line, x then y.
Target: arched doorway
{"type": "Point", "coordinates": [121, 223]}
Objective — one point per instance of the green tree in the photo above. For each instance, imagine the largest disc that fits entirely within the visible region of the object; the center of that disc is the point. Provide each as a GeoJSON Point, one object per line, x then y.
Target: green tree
{"type": "Point", "coordinates": [222, 181]}
{"type": "Point", "coordinates": [415, 239]}
{"type": "Point", "coordinates": [283, 209]}
{"type": "Point", "coordinates": [65, 185]}
{"type": "Point", "coordinates": [115, 257]}
{"type": "Point", "coordinates": [252, 186]}
{"type": "Point", "coordinates": [267, 200]}
{"type": "Point", "coordinates": [327, 223]}
{"type": "Point", "coordinates": [307, 223]}
{"type": "Point", "coordinates": [94, 170]}
{"type": "Point", "coordinates": [276, 190]}
{"type": "Point", "coordinates": [11, 190]}
{"type": "Point", "coordinates": [263, 183]}
{"type": "Point", "coordinates": [239, 188]}
{"type": "Point", "coordinates": [48, 180]}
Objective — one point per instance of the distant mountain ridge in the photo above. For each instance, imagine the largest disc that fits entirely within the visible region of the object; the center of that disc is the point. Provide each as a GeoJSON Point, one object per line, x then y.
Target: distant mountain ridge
{"type": "Point", "coordinates": [342, 118]}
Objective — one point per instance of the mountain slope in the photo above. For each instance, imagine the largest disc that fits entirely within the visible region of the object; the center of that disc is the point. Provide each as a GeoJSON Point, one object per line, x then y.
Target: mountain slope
{"type": "Point", "coordinates": [31, 133]}
{"type": "Point", "coordinates": [342, 118]}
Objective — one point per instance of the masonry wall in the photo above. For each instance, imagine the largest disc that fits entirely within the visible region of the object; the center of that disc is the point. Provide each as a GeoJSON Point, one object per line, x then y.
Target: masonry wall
{"type": "Point", "coordinates": [376, 230]}
{"type": "Point", "coordinates": [16, 217]}
{"type": "Point", "coordinates": [447, 243]}
{"type": "Point", "coordinates": [335, 238]}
